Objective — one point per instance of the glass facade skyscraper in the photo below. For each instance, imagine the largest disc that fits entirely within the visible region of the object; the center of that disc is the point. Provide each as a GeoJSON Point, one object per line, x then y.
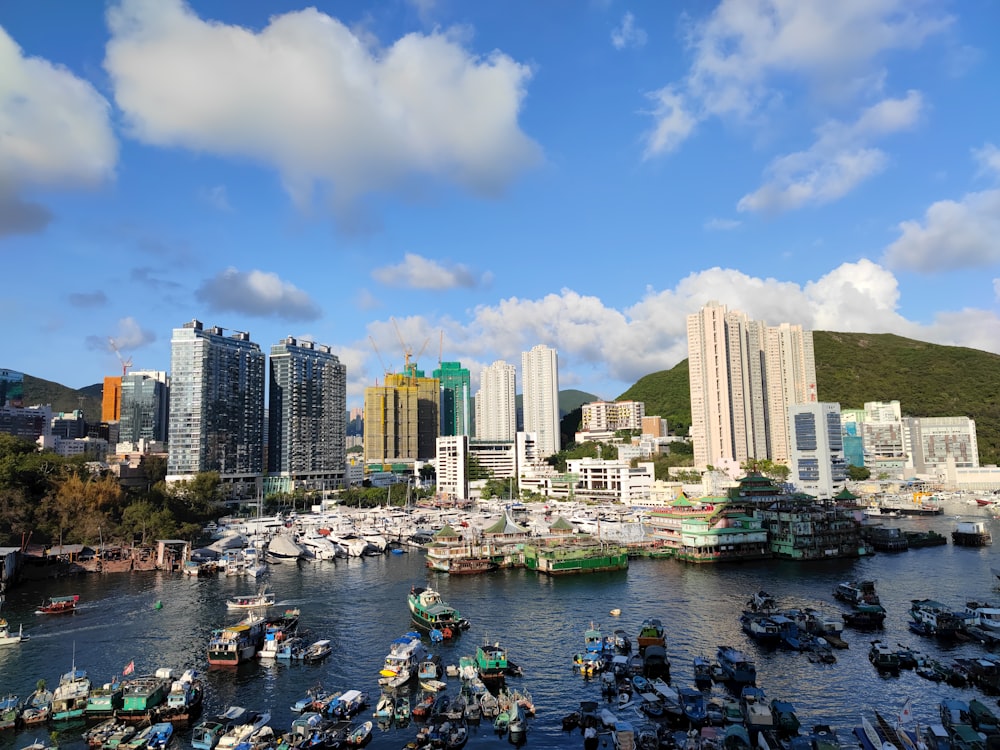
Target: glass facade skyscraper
{"type": "Point", "coordinates": [216, 403]}
{"type": "Point", "coordinates": [307, 411]}
{"type": "Point", "coordinates": [144, 407]}
{"type": "Point", "coordinates": [455, 398]}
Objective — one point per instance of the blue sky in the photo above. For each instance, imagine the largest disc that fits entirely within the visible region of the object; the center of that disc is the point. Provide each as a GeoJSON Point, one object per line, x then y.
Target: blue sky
{"type": "Point", "coordinates": [490, 176]}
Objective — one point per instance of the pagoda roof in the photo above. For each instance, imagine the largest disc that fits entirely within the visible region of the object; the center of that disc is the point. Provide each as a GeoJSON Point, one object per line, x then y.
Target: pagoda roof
{"type": "Point", "coordinates": [505, 525]}
{"type": "Point", "coordinates": [561, 524]}
{"type": "Point", "coordinates": [845, 494]}
{"type": "Point", "coordinates": [447, 532]}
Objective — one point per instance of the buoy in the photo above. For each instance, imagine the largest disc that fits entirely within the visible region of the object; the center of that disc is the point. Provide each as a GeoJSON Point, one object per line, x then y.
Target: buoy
{"type": "Point", "coordinates": [615, 612]}
{"type": "Point", "coordinates": [158, 605]}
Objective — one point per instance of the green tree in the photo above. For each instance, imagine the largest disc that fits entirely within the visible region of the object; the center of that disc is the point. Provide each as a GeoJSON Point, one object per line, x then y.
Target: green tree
{"type": "Point", "coordinates": [767, 467]}
{"type": "Point", "coordinates": [475, 470]}
{"type": "Point", "coordinates": [858, 473]}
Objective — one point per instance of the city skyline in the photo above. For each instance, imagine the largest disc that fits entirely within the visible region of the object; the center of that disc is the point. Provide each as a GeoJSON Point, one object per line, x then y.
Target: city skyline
{"type": "Point", "coordinates": [464, 181]}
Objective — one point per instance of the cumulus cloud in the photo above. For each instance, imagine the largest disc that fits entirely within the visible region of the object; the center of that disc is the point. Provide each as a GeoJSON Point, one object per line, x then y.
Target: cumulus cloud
{"type": "Point", "coordinates": [129, 335]}
{"type": "Point", "coordinates": [257, 293]}
{"type": "Point", "coordinates": [627, 34]}
{"type": "Point", "coordinates": [56, 133]}
{"type": "Point", "coordinates": [320, 104]}
{"type": "Point", "coordinates": [418, 272]}
{"type": "Point", "coordinates": [88, 299]}
{"type": "Point", "coordinates": [836, 163]}
{"type": "Point", "coordinates": [988, 158]}
{"type": "Point", "coordinates": [953, 234]}
{"type": "Point", "coordinates": [745, 48]}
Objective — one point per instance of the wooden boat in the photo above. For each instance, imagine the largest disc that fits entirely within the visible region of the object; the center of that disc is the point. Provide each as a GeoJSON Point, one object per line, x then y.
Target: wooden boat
{"type": "Point", "coordinates": [317, 651]}
{"type": "Point", "coordinates": [401, 710]}
{"type": "Point", "coordinates": [120, 737]}
{"type": "Point", "coordinates": [38, 707]}
{"type": "Point", "coordinates": [10, 711]}
{"type": "Point", "coordinates": [57, 605]}
{"type": "Point", "coordinates": [651, 633]}
{"type": "Point", "coordinates": [69, 699]}
{"type": "Point", "coordinates": [159, 735]}
{"type": "Point", "coordinates": [361, 735]}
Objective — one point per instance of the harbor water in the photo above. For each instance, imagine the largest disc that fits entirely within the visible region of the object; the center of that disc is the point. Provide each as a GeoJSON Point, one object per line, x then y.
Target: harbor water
{"type": "Point", "coordinates": [161, 619]}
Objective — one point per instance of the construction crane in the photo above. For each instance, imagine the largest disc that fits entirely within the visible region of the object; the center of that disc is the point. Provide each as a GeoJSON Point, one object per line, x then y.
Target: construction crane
{"type": "Point", "coordinates": [385, 370]}
{"type": "Point", "coordinates": [126, 363]}
{"type": "Point", "coordinates": [407, 351]}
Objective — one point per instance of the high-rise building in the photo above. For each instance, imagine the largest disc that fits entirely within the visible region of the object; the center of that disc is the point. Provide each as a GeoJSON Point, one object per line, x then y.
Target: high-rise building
{"type": "Point", "coordinates": [817, 462]}
{"type": "Point", "coordinates": [540, 396]}
{"type": "Point", "coordinates": [611, 416]}
{"type": "Point", "coordinates": [111, 399]}
{"type": "Point", "coordinates": [496, 405]}
{"type": "Point", "coordinates": [145, 404]}
{"type": "Point", "coordinates": [307, 407]}
{"type": "Point", "coordinates": [743, 376]}
{"type": "Point", "coordinates": [402, 418]}
{"type": "Point", "coordinates": [455, 398]}
{"type": "Point", "coordinates": [11, 388]}
{"type": "Point", "coordinates": [216, 404]}
{"type": "Point", "coordinates": [932, 441]}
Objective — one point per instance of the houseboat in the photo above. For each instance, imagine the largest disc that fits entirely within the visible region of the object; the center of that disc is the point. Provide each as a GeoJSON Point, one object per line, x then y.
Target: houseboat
{"type": "Point", "coordinates": [972, 534]}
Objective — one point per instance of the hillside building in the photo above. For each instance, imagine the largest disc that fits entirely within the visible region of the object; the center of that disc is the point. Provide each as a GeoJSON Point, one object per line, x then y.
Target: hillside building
{"type": "Point", "coordinates": [540, 397]}
{"type": "Point", "coordinates": [611, 416]}
{"type": "Point", "coordinates": [817, 460]}
{"type": "Point", "coordinates": [496, 405]}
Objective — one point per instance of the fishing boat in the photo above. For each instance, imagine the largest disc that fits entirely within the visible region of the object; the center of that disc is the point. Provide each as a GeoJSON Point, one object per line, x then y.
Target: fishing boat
{"type": "Point", "coordinates": [237, 643]}
{"type": "Point", "coordinates": [105, 700]}
{"type": "Point", "coordinates": [702, 671]}
{"type": "Point", "coordinates": [929, 617]}
{"type": "Point", "coordinates": [69, 699]}
{"type": "Point", "coordinates": [260, 600]}
{"type": "Point", "coordinates": [120, 737]}
{"type": "Point", "coordinates": [206, 733]}
{"type": "Point", "coordinates": [144, 694]}
{"type": "Point", "coordinates": [159, 735]}
{"type": "Point", "coordinates": [57, 605]}
{"type": "Point", "coordinates": [736, 666]}
{"type": "Point", "coordinates": [244, 732]}
{"type": "Point", "coordinates": [651, 633]}
{"type": "Point", "coordinates": [883, 658]}
{"type": "Point", "coordinates": [865, 616]}
{"type": "Point", "coordinates": [7, 638]}
{"type": "Point", "coordinates": [38, 706]}
{"type": "Point", "coordinates": [403, 661]}
{"type": "Point", "coordinates": [317, 651]}
{"type": "Point", "coordinates": [857, 592]}
{"type": "Point", "coordinates": [972, 534]}
{"type": "Point", "coordinates": [184, 700]}
{"type": "Point", "coordinates": [429, 611]}
{"type": "Point", "coordinates": [10, 711]}
{"type": "Point", "coordinates": [401, 710]}
{"type": "Point", "coordinates": [360, 735]}
{"type": "Point", "coordinates": [491, 662]}
{"type": "Point", "coordinates": [277, 630]}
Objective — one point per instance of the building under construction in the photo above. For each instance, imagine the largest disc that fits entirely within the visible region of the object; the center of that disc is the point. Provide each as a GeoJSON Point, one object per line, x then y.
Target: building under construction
{"type": "Point", "coordinates": [402, 419]}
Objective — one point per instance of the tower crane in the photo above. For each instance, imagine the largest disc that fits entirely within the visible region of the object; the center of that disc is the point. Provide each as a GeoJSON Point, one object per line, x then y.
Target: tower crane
{"type": "Point", "coordinates": [385, 370]}
{"type": "Point", "coordinates": [408, 355]}
{"type": "Point", "coordinates": [126, 363]}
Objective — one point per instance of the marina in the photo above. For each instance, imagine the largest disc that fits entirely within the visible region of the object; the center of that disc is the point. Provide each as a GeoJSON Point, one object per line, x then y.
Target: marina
{"type": "Point", "coordinates": [542, 620]}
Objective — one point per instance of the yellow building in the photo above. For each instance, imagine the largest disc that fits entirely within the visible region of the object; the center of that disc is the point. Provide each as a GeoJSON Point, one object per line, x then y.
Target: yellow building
{"type": "Point", "coordinates": [402, 418]}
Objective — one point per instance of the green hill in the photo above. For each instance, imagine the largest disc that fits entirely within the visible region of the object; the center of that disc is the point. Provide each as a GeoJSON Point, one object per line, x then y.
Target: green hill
{"type": "Point", "coordinates": [61, 398]}
{"type": "Point", "coordinates": [928, 380]}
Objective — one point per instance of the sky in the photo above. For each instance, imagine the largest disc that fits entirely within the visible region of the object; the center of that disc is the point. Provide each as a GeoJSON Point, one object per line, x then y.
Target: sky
{"type": "Point", "coordinates": [438, 179]}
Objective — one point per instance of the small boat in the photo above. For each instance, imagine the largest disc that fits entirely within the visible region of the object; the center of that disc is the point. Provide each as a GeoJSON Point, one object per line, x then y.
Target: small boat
{"type": "Point", "coordinates": [385, 708]}
{"type": "Point", "coordinates": [361, 735]}
{"type": "Point", "coordinates": [651, 633]}
{"type": "Point", "coordinates": [38, 707]}
{"type": "Point", "coordinates": [317, 651]}
{"type": "Point", "coordinates": [10, 711]}
{"type": "Point", "coordinates": [430, 612]}
{"type": "Point", "coordinates": [260, 600]}
{"type": "Point", "coordinates": [883, 658]}
{"type": "Point", "coordinates": [401, 710]}
{"type": "Point", "coordinates": [57, 605]}
{"type": "Point", "coordinates": [702, 671]}
{"type": "Point", "coordinates": [433, 686]}
{"type": "Point", "coordinates": [7, 638]}
{"type": "Point", "coordinates": [120, 737]}
{"type": "Point", "coordinates": [160, 734]}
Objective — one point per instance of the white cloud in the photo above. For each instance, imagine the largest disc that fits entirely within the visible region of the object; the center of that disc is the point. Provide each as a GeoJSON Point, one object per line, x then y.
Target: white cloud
{"type": "Point", "coordinates": [216, 197]}
{"type": "Point", "coordinates": [627, 34]}
{"type": "Point", "coordinates": [257, 293]}
{"type": "Point", "coordinates": [954, 234]}
{"type": "Point", "coordinates": [418, 272]}
{"type": "Point", "coordinates": [836, 163]}
{"type": "Point", "coordinates": [722, 225]}
{"type": "Point", "coordinates": [674, 122]}
{"type": "Point", "coordinates": [989, 159]}
{"type": "Point", "coordinates": [314, 100]}
{"type": "Point", "coordinates": [55, 132]}
{"type": "Point", "coordinates": [128, 336]}
{"type": "Point", "coordinates": [996, 289]}
{"type": "Point", "coordinates": [745, 48]}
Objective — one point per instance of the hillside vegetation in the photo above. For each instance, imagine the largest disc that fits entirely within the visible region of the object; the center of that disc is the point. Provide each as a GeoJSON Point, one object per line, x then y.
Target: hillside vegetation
{"type": "Point", "coordinates": [928, 380]}
{"type": "Point", "coordinates": [61, 398]}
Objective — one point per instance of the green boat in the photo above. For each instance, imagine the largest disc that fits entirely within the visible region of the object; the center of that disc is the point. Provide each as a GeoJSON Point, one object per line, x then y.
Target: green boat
{"type": "Point", "coordinates": [104, 700]}
{"type": "Point", "coordinates": [69, 699]}
{"type": "Point", "coordinates": [491, 661]}
{"type": "Point", "coordinates": [144, 694]}
{"type": "Point", "coordinates": [430, 612]}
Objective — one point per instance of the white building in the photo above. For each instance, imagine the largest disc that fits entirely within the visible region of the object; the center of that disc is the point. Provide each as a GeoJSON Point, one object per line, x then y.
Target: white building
{"type": "Point", "coordinates": [596, 481]}
{"type": "Point", "coordinates": [496, 405]}
{"type": "Point", "coordinates": [743, 376]}
{"type": "Point", "coordinates": [817, 449]}
{"type": "Point", "coordinates": [611, 416]}
{"type": "Point", "coordinates": [540, 384]}
{"type": "Point", "coordinates": [452, 466]}
{"type": "Point", "coordinates": [933, 440]}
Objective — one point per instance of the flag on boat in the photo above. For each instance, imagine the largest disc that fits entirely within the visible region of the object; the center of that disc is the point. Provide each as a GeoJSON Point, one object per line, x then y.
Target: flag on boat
{"type": "Point", "coordinates": [129, 668]}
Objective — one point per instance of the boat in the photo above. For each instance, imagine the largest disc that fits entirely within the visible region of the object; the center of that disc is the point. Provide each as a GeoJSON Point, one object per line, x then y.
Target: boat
{"type": "Point", "coordinates": [756, 711]}
{"type": "Point", "coordinates": [120, 737]}
{"type": "Point", "coordinates": [277, 631]}
{"type": "Point", "coordinates": [260, 600]}
{"type": "Point", "coordinates": [184, 700]}
{"type": "Point", "coordinates": [883, 658]}
{"type": "Point", "coordinates": [929, 617]}
{"type": "Point", "coordinates": [693, 705]}
{"type": "Point", "coordinates": [7, 638]}
{"type": "Point", "coordinates": [865, 616]}
{"type": "Point", "coordinates": [144, 694]}
{"type": "Point", "coordinates": [736, 666]}
{"type": "Point", "coordinates": [406, 654]}
{"type": "Point", "coordinates": [761, 628]}
{"type": "Point", "coordinates": [206, 733]}
{"type": "Point", "coordinates": [139, 739]}
{"type": "Point", "coordinates": [347, 704]}
{"type": "Point", "coordinates": [761, 601]}
{"type": "Point", "coordinates": [430, 612]}
{"type": "Point", "coordinates": [57, 605]}
{"type": "Point", "coordinates": [651, 633]}
{"type": "Point", "coordinates": [702, 671]}
{"type": "Point", "coordinates": [10, 711]}
{"type": "Point", "coordinates": [69, 699]}
{"type": "Point", "coordinates": [971, 534]}
{"type": "Point", "coordinates": [360, 735]}
{"type": "Point", "coordinates": [785, 720]}
{"type": "Point", "coordinates": [244, 731]}
{"type": "Point", "coordinates": [857, 592]}
{"type": "Point", "coordinates": [491, 662]}
{"type": "Point", "coordinates": [385, 708]}
{"type": "Point", "coordinates": [736, 737]}
{"type": "Point", "coordinates": [401, 710]}
{"type": "Point", "coordinates": [290, 649]}
{"type": "Point", "coordinates": [105, 700]}
{"type": "Point", "coordinates": [433, 685]}
{"type": "Point", "coordinates": [317, 651]}
{"type": "Point", "coordinates": [159, 735]}
{"type": "Point", "coordinates": [593, 641]}
{"type": "Point", "coordinates": [38, 706]}
{"type": "Point", "coordinates": [237, 643]}
{"type": "Point", "coordinates": [463, 565]}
